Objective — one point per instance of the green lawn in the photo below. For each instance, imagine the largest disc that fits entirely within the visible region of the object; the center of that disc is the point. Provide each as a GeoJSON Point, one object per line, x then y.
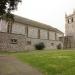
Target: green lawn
{"type": "Point", "coordinates": [56, 62]}
{"type": "Point", "coordinates": [50, 62]}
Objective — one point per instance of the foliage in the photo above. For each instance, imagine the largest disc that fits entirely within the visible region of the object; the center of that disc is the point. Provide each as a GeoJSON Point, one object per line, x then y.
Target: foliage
{"type": "Point", "coordinates": [40, 46]}
{"type": "Point", "coordinates": [8, 5]}
{"type": "Point", "coordinates": [8, 17]}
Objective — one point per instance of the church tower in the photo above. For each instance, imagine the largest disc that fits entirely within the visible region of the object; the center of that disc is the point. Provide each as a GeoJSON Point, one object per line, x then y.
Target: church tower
{"type": "Point", "coordinates": [70, 25]}
{"type": "Point", "coordinates": [70, 30]}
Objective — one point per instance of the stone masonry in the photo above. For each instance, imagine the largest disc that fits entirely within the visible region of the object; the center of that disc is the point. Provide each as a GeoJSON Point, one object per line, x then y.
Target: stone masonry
{"type": "Point", "coordinates": [26, 33]}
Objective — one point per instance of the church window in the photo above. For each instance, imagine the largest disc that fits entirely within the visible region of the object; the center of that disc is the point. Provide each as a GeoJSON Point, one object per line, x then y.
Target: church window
{"type": "Point", "coordinates": [13, 41]}
{"type": "Point", "coordinates": [9, 27]}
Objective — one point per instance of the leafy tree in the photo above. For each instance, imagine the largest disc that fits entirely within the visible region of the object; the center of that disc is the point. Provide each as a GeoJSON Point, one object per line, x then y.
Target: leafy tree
{"type": "Point", "coordinates": [8, 5]}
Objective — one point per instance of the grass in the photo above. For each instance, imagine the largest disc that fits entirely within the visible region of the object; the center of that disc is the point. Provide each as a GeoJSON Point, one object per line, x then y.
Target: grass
{"type": "Point", "coordinates": [60, 62]}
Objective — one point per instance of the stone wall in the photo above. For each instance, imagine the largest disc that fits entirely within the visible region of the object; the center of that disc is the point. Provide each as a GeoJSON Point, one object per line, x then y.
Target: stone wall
{"type": "Point", "coordinates": [24, 37]}
{"type": "Point", "coordinates": [49, 44]}
{"type": "Point", "coordinates": [12, 42]}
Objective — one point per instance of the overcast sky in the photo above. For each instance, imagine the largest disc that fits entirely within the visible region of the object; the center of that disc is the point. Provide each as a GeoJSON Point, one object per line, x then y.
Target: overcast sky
{"type": "Point", "coordinates": [51, 12]}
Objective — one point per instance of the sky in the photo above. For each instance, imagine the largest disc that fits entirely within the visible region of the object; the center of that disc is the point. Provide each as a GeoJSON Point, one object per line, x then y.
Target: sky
{"type": "Point", "coordinates": [51, 12]}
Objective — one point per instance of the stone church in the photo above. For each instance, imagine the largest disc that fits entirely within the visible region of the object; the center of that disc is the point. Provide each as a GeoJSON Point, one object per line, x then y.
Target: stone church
{"type": "Point", "coordinates": [24, 33]}
{"type": "Point", "coordinates": [69, 39]}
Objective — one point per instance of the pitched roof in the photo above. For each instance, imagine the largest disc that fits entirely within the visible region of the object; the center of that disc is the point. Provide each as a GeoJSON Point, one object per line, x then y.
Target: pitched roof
{"type": "Point", "coordinates": [35, 23]}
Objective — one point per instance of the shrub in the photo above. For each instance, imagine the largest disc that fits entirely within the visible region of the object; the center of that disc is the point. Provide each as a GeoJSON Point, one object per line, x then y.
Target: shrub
{"type": "Point", "coordinates": [40, 46]}
{"type": "Point", "coordinates": [59, 46]}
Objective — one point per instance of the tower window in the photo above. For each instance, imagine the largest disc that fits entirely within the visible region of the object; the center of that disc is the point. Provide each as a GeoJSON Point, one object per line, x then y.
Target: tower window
{"type": "Point", "coordinates": [70, 20]}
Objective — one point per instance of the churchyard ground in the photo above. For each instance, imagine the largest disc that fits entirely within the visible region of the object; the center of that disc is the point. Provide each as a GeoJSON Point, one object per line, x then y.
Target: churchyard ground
{"type": "Point", "coordinates": [48, 62]}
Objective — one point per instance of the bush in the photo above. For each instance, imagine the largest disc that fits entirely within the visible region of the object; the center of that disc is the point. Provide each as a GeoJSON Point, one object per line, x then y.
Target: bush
{"type": "Point", "coordinates": [59, 46]}
{"type": "Point", "coordinates": [40, 46]}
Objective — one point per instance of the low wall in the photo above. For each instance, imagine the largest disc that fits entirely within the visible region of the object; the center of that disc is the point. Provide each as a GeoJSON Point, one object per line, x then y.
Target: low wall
{"type": "Point", "coordinates": [16, 42]}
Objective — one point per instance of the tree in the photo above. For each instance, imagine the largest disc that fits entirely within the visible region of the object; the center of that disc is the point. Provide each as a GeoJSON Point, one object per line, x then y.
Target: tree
{"type": "Point", "coordinates": [8, 5]}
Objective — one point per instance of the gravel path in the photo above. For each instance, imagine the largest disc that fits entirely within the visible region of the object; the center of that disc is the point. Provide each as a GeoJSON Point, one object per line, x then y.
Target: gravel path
{"type": "Point", "coordinates": [11, 66]}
